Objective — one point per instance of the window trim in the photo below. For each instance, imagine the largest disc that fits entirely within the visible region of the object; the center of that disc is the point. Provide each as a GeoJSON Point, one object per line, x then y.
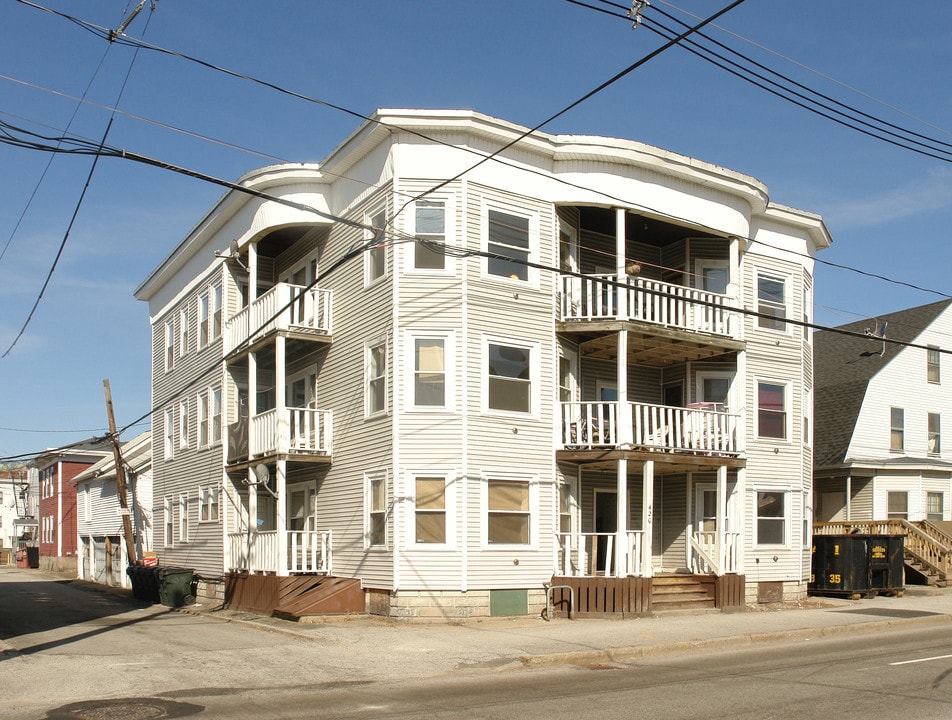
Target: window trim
{"type": "Point", "coordinates": [168, 524]}
{"type": "Point", "coordinates": [169, 346]}
{"type": "Point", "coordinates": [785, 280]}
{"type": "Point", "coordinates": [370, 255]}
{"type": "Point", "coordinates": [895, 428]}
{"type": "Point", "coordinates": [933, 363]}
{"type": "Point", "coordinates": [183, 424]}
{"type": "Point", "coordinates": [535, 377]}
{"type": "Point", "coordinates": [930, 494]}
{"type": "Point", "coordinates": [890, 514]}
{"type": "Point", "coordinates": [449, 370]}
{"type": "Point", "coordinates": [449, 227]}
{"type": "Point", "coordinates": [449, 510]}
{"type": "Point", "coordinates": [787, 386]}
{"type": "Point", "coordinates": [532, 250]}
{"type": "Point", "coordinates": [369, 347]}
{"type": "Point", "coordinates": [532, 513]}
{"type": "Point", "coordinates": [184, 328]}
{"type": "Point", "coordinates": [169, 433]}
{"type": "Point", "coordinates": [703, 264]}
{"type": "Point", "coordinates": [369, 479]}
{"type": "Point", "coordinates": [209, 504]}
{"type": "Point", "coordinates": [183, 525]}
{"type": "Point", "coordinates": [786, 493]}
{"type": "Point", "coordinates": [936, 449]}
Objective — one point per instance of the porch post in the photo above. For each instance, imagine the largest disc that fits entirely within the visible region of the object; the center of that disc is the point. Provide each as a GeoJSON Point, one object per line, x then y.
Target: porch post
{"type": "Point", "coordinates": [647, 518]}
{"type": "Point", "coordinates": [252, 404]}
{"type": "Point", "coordinates": [739, 520]}
{"type": "Point", "coordinates": [252, 520]}
{"type": "Point", "coordinates": [282, 429]}
{"type": "Point", "coordinates": [621, 523]}
{"type": "Point", "coordinates": [252, 276]}
{"type": "Point", "coordinates": [281, 483]}
{"type": "Point", "coordinates": [623, 426]}
{"type": "Point", "coordinates": [621, 293]}
{"type": "Point", "coordinates": [721, 518]}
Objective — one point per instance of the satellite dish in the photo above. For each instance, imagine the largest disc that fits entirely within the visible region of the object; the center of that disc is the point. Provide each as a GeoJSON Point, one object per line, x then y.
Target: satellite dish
{"type": "Point", "coordinates": [262, 473]}
{"type": "Point", "coordinates": [233, 248]}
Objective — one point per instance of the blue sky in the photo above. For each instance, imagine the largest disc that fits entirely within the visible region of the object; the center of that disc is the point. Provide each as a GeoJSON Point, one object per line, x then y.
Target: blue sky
{"type": "Point", "coordinates": [887, 208]}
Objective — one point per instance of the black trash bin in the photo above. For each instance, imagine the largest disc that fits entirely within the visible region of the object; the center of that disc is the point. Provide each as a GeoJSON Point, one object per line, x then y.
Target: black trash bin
{"type": "Point", "coordinates": [856, 565]}
{"type": "Point", "coordinates": [175, 587]}
{"type": "Point", "coordinates": [33, 557]}
{"type": "Point", "coordinates": [145, 582]}
{"type": "Point", "coordinates": [886, 568]}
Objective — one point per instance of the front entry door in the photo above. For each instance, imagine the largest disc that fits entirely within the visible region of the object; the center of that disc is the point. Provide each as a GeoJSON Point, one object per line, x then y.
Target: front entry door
{"type": "Point", "coordinates": [606, 521]}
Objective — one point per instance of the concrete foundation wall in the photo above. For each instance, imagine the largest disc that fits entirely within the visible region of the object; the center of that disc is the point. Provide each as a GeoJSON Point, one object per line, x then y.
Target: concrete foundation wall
{"type": "Point", "coordinates": [440, 604]}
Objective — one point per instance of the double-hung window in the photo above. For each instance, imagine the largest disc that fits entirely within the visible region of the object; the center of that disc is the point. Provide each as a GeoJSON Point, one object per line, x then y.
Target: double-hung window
{"type": "Point", "coordinates": [183, 331]}
{"type": "Point", "coordinates": [376, 394]}
{"type": "Point", "coordinates": [772, 410]}
{"type": "Point", "coordinates": [897, 429]}
{"type": "Point", "coordinates": [432, 382]}
{"type": "Point", "coordinates": [509, 372]}
{"type": "Point", "coordinates": [932, 365]}
{"type": "Point", "coordinates": [509, 510]}
{"type": "Point", "coordinates": [183, 518]}
{"type": "Point", "coordinates": [376, 510]}
{"type": "Point", "coordinates": [771, 517]}
{"type": "Point", "coordinates": [208, 504]}
{"type": "Point", "coordinates": [209, 315]}
{"type": "Point", "coordinates": [375, 265]}
{"type": "Point", "coordinates": [509, 244]}
{"type": "Point", "coordinates": [203, 430]}
{"type": "Point", "coordinates": [935, 506]}
{"type": "Point", "coordinates": [215, 403]}
{"type": "Point", "coordinates": [430, 233]}
{"type": "Point", "coordinates": [935, 434]}
{"type": "Point", "coordinates": [430, 508]}
{"type": "Point", "coordinates": [168, 522]}
{"type": "Point", "coordinates": [183, 424]}
{"type": "Point", "coordinates": [897, 505]}
{"type": "Point", "coordinates": [771, 302]}
{"type": "Point", "coordinates": [169, 345]}
{"type": "Point", "coordinates": [169, 433]}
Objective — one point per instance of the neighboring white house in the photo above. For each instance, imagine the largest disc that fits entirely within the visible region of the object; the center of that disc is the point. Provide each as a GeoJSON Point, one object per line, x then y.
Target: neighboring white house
{"type": "Point", "coordinates": [17, 506]}
{"type": "Point", "coordinates": [880, 409]}
{"type": "Point", "coordinates": [459, 389]}
{"type": "Point", "coordinates": [103, 555]}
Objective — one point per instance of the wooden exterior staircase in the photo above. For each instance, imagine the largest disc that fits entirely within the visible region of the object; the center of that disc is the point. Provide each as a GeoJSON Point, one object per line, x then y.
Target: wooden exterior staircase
{"type": "Point", "coordinates": [927, 545]}
{"type": "Point", "coordinates": [682, 592]}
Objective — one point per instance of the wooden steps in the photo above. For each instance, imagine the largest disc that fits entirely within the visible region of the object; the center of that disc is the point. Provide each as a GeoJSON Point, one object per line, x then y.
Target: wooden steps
{"type": "Point", "coordinates": [682, 593]}
{"type": "Point", "coordinates": [309, 595]}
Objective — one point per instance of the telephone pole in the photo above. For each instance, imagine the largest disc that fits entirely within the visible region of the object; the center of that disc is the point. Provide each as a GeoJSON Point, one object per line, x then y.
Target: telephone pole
{"type": "Point", "coordinates": [120, 479]}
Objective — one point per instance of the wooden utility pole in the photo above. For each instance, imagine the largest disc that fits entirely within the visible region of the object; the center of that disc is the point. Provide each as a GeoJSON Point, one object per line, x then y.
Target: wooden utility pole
{"type": "Point", "coordinates": [120, 479]}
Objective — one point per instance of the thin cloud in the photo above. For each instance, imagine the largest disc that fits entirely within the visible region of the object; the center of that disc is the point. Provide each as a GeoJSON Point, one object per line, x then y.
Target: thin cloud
{"type": "Point", "coordinates": [924, 195]}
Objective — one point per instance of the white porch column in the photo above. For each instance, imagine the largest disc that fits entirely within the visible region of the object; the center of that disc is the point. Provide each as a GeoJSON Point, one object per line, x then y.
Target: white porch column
{"type": "Point", "coordinates": [252, 518]}
{"type": "Point", "coordinates": [252, 403]}
{"type": "Point", "coordinates": [739, 518]}
{"type": "Point", "coordinates": [721, 519]}
{"type": "Point", "coordinates": [621, 293]}
{"type": "Point", "coordinates": [281, 512]}
{"type": "Point", "coordinates": [647, 518]}
{"type": "Point", "coordinates": [252, 273]}
{"type": "Point", "coordinates": [621, 523]}
{"type": "Point", "coordinates": [282, 430]}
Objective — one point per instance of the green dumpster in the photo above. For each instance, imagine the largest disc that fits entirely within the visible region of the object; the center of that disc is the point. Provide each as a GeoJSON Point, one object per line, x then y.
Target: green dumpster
{"type": "Point", "coordinates": [175, 587]}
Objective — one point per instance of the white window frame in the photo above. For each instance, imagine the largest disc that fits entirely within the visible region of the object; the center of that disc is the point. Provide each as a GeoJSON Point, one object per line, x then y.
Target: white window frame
{"type": "Point", "coordinates": [449, 375]}
{"type": "Point", "coordinates": [897, 427]}
{"type": "Point", "coordinates": [184, 327]}
{"type": "Point", "coordinates": [449, 509]}
{"type": "Point", "coordinates": [183, 528]}
{"type": "Point", "coordinates": [532, 251]}
{"type": "Point", "coordinates": [370, 510]}
{"type": "Point", "coordinates": [533, 512]}
{"type": "Point", "coordinates": [169, 433]}
{"type": "Point", "coordinates": [215, 407]}
{"type": "Point", "coordinates": [787, 386]}
{"type": "Point", "coordinates": [169, 346]}
{"type": "Point", "coordinates": [535, 376]}
{"type": "Point", "coordinates": [210, 320]}
{"type": "Point", "coordinates": [702, 264]}
{"type": "Point", "coordinates": [204, 309]}
{"type": "Point", "coordinates": [369, 410]}
{"type": "Point", "coordinates": [703, 375]}
{"type": "Point", "coordinates": [183, 424]}
{"type": "Point", "coordinates": [933, 363]}
{"type": "Point", "coordinates": [787, 495]}
{"type": "Point", "coordinates": [378, 216]}
{"type": "Point", "coordinates": [934, 449]}
{"type": "Point", "coordinates": [168, 523]}
{"type": "Point", "coordinates": [202, 418]}
{"type": "Point", "coordinates": [762, 305]}
{"type": "Point", "coordinates": [209, 508]}
{"type": "Point", "coordinates": [895, 514]}
{"type": "Point", "coordinates": [449, 263]}
{"type": "Point", "coordinates": [930, 494]}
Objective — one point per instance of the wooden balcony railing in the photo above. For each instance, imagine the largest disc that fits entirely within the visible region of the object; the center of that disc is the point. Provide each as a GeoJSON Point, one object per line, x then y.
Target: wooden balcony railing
{"type": "Point", "coordinates": [283, 307]}
{"type": "Point", "coordinates": [705, 555]}
{"type": "Point", "coordinates": [696, 429]}
{"type": "Point", "coordinates": [590, 554]}
{"type": "Point", "coordinates": [611, 297]}
{"type": "Point", "coordinates": [297, 430]}
{"type": "Point", "coordinates": [308, 552]}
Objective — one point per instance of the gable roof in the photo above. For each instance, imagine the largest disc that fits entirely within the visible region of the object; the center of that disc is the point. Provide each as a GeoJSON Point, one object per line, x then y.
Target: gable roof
{"type": "Point", "coordinates": [136, 454]}
{"type": "Point", "coordinates": [843, 365]}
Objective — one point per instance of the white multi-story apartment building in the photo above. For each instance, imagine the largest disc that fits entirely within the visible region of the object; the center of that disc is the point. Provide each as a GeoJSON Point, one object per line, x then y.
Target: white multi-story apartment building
{"type": "Point", "coordinates": [457, 382]}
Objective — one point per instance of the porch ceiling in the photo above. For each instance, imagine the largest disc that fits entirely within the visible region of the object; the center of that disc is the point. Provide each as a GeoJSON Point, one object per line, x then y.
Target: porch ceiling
{"type": "Point", "coordinates": [649, 345]}
{"type": "Point", "coordinates": [665, 462]}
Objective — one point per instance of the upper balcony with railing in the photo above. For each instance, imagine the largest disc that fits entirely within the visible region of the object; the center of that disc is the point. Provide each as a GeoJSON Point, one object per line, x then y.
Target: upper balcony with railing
{"type": "Point", "coordinates": [305, 312]}
{"type": "Point", "coordinates": [639, 299]}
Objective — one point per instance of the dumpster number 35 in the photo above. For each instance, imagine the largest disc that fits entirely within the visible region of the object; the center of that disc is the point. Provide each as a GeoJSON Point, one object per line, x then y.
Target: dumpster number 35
{"type": "Point", "coordinates": [835, 578]}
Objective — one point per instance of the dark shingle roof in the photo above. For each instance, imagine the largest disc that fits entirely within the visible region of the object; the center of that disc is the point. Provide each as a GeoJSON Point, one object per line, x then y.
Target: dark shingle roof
{"type": "Point", "coordinates": [842, 368]}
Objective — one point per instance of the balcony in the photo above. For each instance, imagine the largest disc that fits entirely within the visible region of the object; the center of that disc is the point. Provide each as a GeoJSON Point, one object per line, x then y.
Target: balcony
{"type": "Point", "coordinates": [294, 431]}
{"type": "Point", "coordinates": [257, 552]}
{"type": "Point", "coordinates": [285, 307]}
{"type": "Point", "coordinates": [703, 428]}
{"type": "Point", "coordinates": [638, 299]}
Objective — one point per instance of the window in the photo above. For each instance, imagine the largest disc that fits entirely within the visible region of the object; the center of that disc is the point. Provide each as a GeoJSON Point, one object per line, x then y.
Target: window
{"type": "Point", "coordinates": [432, 387]}
{"type": "Point", "coordinates": [508, 240]}
{"type": "Point", "coordinates": [430, 218]}
{"type": "Point", "coordinates": [169, 345]}
{"type": "Point", "coordinates": [183, 424]}
{"type": "Point", "coordinates": [771, 411]}
{"type": "Point", "coordinates": [183, 331]}
{"type": "Point", "coordinates": [771, 302]}
{"type": "Point", "coordinates": [203, 320]}
{"type": "Point", "coordinates": [375, 266]}
{"type": "Point", "coordinates": [377, 378]}
{"type": "Point", "coordinates": [897, 505]}
{"type": "Point", "coordinates": [209, 417]}
{"type": "Point", "coordinates": [507, 512]}
{"type": "Point", "coordinates": [87, 503]}
{"type": "Point", "coordinates": [712, 276]}
{"type": "Point", "coordinates": [169, 434]}
{"type": "Point", "coordinates": [896, 429]}
{"type": "Point", "coordinates": [430, 510]}
{"type": "Point", "coordinates": [376, 504]}
{"type": "Point", "coordinates": [935, 506]}
{"type": "Point", "coordinates": [771, 517]}
{"type": "Point", "coordinates": [209, 315]}
{"type": "Point", "coordinates": [935, 434]}
{"type": "Point", "coordinates": [183, 518]}
{"type": "Point", "coordinates": [202, 409]}
{"type": "Point", "coordinates": [216, 414]}
{"type": "Point", "coordinates": [169, 525]}
{"type": "Point", "coordinates": [932, 364]}
{"type": "Point", "coordinates": [509, 378]}
{"type": "Point", "coordinates": [215, 293]}
{"type": "Point", "coordinates": [208, 504]}
{"type": "Point", "coordinates": [565, 508]}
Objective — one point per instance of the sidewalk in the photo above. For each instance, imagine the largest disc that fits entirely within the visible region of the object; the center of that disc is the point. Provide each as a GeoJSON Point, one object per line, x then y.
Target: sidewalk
{"type": "Point", "coordinates": [416, 648]}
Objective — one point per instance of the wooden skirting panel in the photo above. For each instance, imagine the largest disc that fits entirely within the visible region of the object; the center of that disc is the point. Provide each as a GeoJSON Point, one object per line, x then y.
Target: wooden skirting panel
{"type": "Point", "coordinates": [254, 593]}
{"type": "Point", "coordinates": [599, 596]}
{"type": "Point", "coordinates": [729, 592]}
{"type": "Point", "coordinates": [296, 594]}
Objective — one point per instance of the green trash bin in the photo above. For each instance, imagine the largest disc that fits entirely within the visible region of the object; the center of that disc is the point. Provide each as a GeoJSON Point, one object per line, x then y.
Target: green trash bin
{"type": "Point", "coordinates": [175, 587]}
